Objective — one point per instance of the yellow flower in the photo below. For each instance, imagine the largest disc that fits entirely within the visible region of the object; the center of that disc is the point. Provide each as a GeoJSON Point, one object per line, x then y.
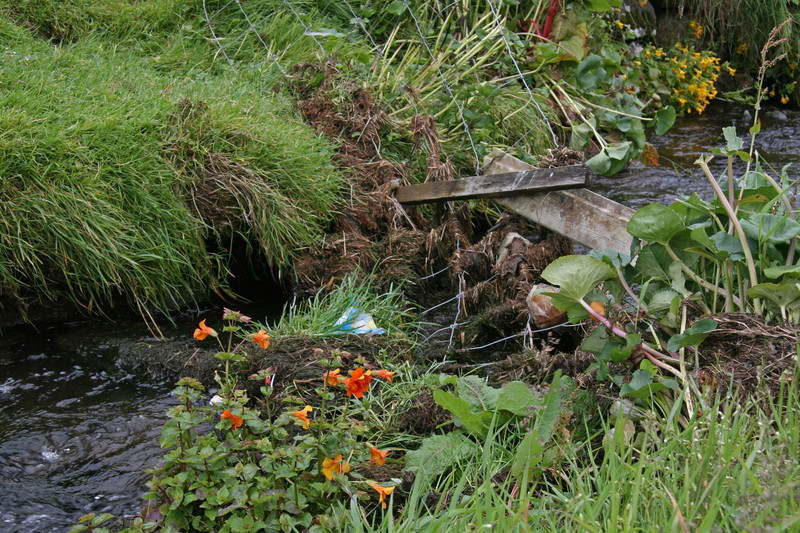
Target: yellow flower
{"type": "Point", "coordinates": [620, 24]}
{"type": "Point", "coordinates": [741, 48]}
{"type": "Point", "coordinates": [784, 99]}
{"type": "Point", "coordinates": [732, 71]}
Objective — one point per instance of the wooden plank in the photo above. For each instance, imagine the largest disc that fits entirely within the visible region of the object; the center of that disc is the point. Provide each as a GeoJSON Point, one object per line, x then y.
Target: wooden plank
{"type": "Point", "coordinates": [580, 214]}
{"type": "Point", "coordinates": [497, 185]}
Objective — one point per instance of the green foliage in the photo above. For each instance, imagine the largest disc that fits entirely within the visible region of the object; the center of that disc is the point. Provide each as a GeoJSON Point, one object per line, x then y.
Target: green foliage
{"type": "Point", "coordinates": [279, 471]}
{"type": "Point", "coordinates": [482, 413]}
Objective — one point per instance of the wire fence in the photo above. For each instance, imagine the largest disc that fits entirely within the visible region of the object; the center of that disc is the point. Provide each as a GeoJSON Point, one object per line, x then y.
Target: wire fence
{"type": "Point", "coordinates": [434, 58]}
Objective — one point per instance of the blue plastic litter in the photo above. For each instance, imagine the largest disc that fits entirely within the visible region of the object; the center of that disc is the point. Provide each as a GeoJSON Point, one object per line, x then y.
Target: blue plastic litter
{"type": "Point", "coordinates": [356, 321]}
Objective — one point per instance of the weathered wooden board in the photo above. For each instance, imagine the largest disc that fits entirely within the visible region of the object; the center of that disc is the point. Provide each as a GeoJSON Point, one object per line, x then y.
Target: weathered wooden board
{"type": "Point", "coordinates": [497, 185]}
{"type": "Point", "coordinates": [580, 214]}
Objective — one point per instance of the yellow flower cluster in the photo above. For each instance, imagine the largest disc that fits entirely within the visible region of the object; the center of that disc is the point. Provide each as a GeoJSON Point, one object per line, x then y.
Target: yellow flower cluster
{"type": "Point", "coordinates": [687, 75]}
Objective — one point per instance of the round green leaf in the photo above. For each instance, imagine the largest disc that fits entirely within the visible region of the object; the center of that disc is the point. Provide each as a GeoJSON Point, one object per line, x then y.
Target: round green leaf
{"type": "Point", "coordinates": [576, 275]}
{"type": "Point", "coordinates": [655, 223]}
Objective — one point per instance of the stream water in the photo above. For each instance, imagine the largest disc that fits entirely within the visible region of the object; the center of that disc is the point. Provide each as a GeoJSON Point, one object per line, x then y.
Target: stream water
{"type": "Point", "coordinates": [77, 432]}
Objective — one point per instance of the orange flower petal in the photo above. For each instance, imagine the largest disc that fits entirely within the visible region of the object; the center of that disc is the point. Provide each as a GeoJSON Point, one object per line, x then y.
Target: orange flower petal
{"type": "Point", "coordinates": [235, 420]}
{"type": "Point", "coordinates": [332, 377]}
{"type": "Point", "coordinates": [384, 492]}
{"type": "Point", "coordinates": [377, 456]}
{"type": "Point", "coordinates": [262, 338]}
{"type": "Point", "coordinates": [385, 374]}
{"type": "Point", "coordinates": [204, 331]}
{"type": "Point", "coordinates": [302, 414]}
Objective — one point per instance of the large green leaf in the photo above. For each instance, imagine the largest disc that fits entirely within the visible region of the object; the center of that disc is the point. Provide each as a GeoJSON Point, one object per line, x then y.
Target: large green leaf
{"type": "Point", "coordinates": [480, 396]}
{"type": "Point", "coordinates": [517, 398]}
{"type": "Point", "coordinates": [655, 223]}
{"type": "Point", "coordinates": [576, 275]}
{"type": "Point", "coordinates": [783, 295]}
{"type": "Point", "coordinates": [470, 420]}
{"type": "Point", "coordinates": [665, 118]}
{"type": "Point", "coordinates": [693, 336]}
{"type": "Point", "coordinates": [643, 386]}
{"type": "Point", "coordinates": [775, 272]}
{"type": "Point", "coordinates": [766, 227]}
{"type": "Point", "coordinates": [440, 452]}
{"type": "Point", "coordinates": [590, 71]}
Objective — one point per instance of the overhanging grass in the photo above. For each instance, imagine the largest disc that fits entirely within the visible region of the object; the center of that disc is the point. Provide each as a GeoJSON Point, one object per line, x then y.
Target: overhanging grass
{"type": "Point", "coordinates": [102, 170]}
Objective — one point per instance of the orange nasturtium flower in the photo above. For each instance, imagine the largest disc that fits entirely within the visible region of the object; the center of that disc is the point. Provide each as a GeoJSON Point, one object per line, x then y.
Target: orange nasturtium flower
{"type": "Point", "coordinates": [384, 492]}
{"type": "Point", "coordinates": [204, 331]}
{"type": "Point", "coordinates": [262, 338]}
{"type": "Point", "coordinates": [377, 456]}
{"type": "Point", "coordinates": [358, 383]}
{"type": "Point", "coordinates": [329, 466]}
{"type": "Point", "coordinates": [302, 414]}
{"type": "Point", "coordinates": [235, 420]}
{"type": "Point", "coordinates": [332, 377]}
{"type": "Point", "coordinates": [385, 374]}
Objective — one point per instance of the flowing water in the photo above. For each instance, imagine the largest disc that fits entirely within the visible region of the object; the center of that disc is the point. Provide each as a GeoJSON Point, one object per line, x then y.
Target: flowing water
{"type": "Point", "coordinates": [693, 136]}
{"type": "Point", "coordinates": [77, 433]}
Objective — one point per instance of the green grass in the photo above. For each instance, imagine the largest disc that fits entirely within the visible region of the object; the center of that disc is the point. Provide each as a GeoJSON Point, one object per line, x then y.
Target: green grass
{"type": "Point", "coordinates": [317, 317]}
{"type": "Point", "coordinates": [729, 469]}
{"type": "Point", "coordinates": [125, 180]}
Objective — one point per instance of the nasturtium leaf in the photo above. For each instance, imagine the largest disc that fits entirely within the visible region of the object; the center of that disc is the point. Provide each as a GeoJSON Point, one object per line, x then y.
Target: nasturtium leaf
{"type": "Point", "coordinates": [665, 118]}
{"type": "Point", "coordinates": [774, 229]}
{"type": "Point", "coordinates": [576, 275]}
{"type": "Point", "coordinates": [655, 223]}
{"type": "Point", "coordinates": [693, 336]}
